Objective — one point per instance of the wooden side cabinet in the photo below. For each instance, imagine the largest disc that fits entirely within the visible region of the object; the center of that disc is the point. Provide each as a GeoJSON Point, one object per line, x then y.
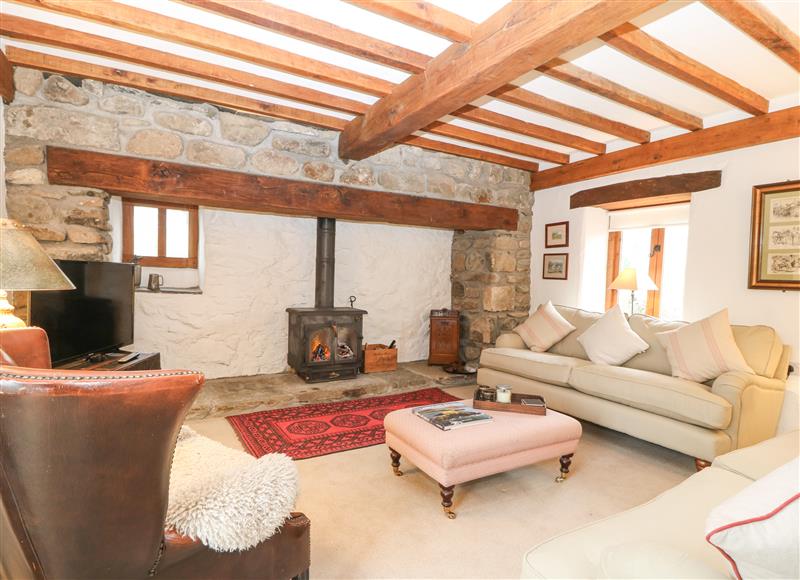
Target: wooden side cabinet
{"type": "Point", "coordinates": [445, 332]}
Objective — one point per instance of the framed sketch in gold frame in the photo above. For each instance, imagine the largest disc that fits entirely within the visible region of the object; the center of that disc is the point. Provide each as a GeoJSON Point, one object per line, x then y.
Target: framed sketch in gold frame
{"type": "Point", "coordinates": [775, 237]}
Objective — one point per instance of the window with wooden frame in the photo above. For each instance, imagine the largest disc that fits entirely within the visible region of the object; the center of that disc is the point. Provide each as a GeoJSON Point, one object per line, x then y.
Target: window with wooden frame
{"type": "Point", "coordinates": [159, 234]}
{"type": "Point", "coordinates": [661, 253]}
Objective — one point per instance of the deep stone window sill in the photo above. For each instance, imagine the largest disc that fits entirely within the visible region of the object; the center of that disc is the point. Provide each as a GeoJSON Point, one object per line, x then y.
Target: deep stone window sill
{"type": "Point", "coordinates": [167, 290]}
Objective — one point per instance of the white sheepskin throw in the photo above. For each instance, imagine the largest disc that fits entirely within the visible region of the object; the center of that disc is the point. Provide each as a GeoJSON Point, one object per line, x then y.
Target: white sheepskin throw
{"type": "Point", "coordinates": [228, 499]}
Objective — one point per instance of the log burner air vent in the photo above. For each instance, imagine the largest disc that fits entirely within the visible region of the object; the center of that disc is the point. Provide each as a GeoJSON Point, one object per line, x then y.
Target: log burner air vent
{"type": "Point", "coordinates": [325, 341]}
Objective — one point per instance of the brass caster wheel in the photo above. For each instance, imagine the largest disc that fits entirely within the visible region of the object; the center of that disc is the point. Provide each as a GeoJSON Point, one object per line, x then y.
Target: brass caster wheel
{"type": "Point", "coordinates": [397, 472]}
{"type": "Point", "coordinates": [561, 479]}
{"type": "Point", "coordinates": [451, 515]}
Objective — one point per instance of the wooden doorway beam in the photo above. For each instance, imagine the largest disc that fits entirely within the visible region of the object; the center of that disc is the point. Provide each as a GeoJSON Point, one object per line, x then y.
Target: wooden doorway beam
{"type": "Point", "coordinates": [518, 38]}
{"type": "Point", "coordinates": [643, 47]}
{"type": "Point", "coordinates": [646, 192]}
{"type": "Point", "coordinates": [612, 267]}
{"type": "Point", "coordinates": [775, 126]}
{"type": "Point", "coordinates": [178, 183]}
{"type": "Point", "coordinates": [656, 266]}
{"type": "Point", "coordinates": [6, 79]}
{"type": "Point", "coordinates": [759, 23]}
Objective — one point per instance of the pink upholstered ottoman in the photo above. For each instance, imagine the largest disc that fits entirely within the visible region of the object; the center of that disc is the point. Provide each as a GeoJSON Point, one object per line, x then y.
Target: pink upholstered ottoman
{"type": "Point", "coordinates": [509, 441]}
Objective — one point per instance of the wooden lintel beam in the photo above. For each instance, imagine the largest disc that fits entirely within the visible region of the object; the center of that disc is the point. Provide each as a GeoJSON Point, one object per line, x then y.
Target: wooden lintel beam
{"type": "Point", "coordinates": [755, 20]}
{"type": "Point", "coordinates": [422, 15]}
{"type": "Point", "coordinates": [184, 32]}
{"type": "Point", "coordinates": [775, 126]}
{"type": "Point", "coordinates": [518, 38]}
{"type": "Point", "coordinates": [176, 182]}
{"type": "Point", "coordinates": [649, 50]}
{"type": "Point", "coordinates": [6, 79]}
{"type": "Point", "coordinates": [643, 192]}
{"type": "Point", "coordinates": [670, 199]}
{"type": "Point", "coordinates": [299, 25]}
{"type": "Point", "coordinates": [589, 81]}
{"type": "Point", "coordinates": [65, 66]}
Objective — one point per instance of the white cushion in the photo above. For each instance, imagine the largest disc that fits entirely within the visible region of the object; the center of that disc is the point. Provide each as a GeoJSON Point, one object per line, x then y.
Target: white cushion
{"type": "Point", "coordinates": [544, 328]}
{"type": "Point", "coordinates": [610, 340]}
{"type": "Point", "coordinates": [539, 366]}
{"type": "Point", "coordinates": [758, 529]}
{"type": "Point", "coordinates": [226, 498]}
{"type": "Point", "coordinates": [704, 349]}
{"type": "Point", "coordinates": [651, 559]}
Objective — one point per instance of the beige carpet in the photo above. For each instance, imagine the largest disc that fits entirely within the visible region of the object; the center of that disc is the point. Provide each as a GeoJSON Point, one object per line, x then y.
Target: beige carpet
{"type": "Point", "coordinates": [368, 523]}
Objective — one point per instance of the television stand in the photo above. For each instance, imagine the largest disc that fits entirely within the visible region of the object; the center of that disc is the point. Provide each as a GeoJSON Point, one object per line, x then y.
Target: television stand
{"type": "Point", "coordinates": [110, 361]}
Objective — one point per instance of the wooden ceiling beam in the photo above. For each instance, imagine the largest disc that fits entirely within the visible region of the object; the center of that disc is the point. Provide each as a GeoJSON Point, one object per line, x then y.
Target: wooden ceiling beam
{"type": "Point", "coordinates": [176, 182]}
{"type": "Point", "coordinates": [70, 67]}
{"type": "Point", "coordinates": [477, 154]}
{"type": "Point", "coordinates": [763, 26]}
{"type": "Point", "coordinates": [775, 126]}
{"type": "Point", "coordinates": [487, 117]}
{"type": "Point", "coordinates": [304, 27]}
{"type": "Point", "coordinates": [471, 136]}
{"type": "Point", "coordinates": [299, 25]}
{"type": "Point", "coordinates": [589, 81]}
{"type": "Point", "coordinates": [183, 32]}
{"type": "Point", "coordinates": [651, 51]}
{"type": "Point", "coordinates": [646, 192]}
{"type": "Point", "coordinates": [6, 79]}
{"type": "Point", "coordinates": [422, 15]}
{"type": "Point", "coordinates": [519, 37]}
{"type": "Point", "coordinates": [525, 98]}
{"type": "Point", "coordinates": [43, 33]}
{"type": "Point", "coordinates": [66, 66]}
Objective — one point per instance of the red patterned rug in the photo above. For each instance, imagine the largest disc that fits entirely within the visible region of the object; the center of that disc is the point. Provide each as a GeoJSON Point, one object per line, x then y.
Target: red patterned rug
{"type": "Point", "coordinates": [324, 428]}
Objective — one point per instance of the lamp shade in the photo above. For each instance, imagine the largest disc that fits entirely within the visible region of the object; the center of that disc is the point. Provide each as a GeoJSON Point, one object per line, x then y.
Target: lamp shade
{"type": "Point", "coordinates": [629, 279]}
{"type": "Point", "coordinates": [24, 265]}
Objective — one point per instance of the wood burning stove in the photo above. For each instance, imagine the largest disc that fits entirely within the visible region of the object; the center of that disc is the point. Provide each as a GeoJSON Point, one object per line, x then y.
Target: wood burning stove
{"type": "Point", "coordinates": [325, 341]}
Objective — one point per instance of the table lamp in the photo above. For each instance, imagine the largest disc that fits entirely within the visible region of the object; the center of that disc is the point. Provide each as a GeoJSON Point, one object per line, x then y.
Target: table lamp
{"type": "Point", "coordinates": [25, 266]}
{"type": "Point", "coordinates": [629, 279]}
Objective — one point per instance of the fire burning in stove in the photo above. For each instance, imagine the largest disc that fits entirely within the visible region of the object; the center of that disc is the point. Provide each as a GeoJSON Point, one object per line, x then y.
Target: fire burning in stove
{"type": "Point", "coordinates": [319, 350]}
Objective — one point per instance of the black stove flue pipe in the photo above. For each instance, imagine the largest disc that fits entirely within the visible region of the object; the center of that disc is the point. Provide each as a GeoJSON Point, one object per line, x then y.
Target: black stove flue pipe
{"type": "Point", "coordinates": [326, 262]}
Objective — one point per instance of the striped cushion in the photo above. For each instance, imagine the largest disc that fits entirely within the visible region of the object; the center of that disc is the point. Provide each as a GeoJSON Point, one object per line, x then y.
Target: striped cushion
{"type": "Point", "coordinates": [704, 349]}
{"type": "Point", "coordinates": [544, 328]}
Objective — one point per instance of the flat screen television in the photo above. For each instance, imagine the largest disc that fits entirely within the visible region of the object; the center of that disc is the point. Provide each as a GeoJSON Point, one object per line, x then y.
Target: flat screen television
{"type": "Point", "coordinates": [96, 317]}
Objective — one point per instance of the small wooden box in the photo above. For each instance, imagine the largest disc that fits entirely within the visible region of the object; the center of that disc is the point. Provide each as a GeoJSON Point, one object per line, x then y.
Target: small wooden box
{"type": "Point", "coordinates": [515, 406]}
{"type": "Point", "coordinates": [378, 358]}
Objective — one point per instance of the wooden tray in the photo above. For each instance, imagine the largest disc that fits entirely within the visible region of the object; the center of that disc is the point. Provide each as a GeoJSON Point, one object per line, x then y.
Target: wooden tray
{"type": "Point", "coordinates": [515, 406]}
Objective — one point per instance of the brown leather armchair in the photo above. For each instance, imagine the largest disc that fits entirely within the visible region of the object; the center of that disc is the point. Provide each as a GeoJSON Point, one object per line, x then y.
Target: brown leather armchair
{"type": "Point", "coordinates": [84, 475]}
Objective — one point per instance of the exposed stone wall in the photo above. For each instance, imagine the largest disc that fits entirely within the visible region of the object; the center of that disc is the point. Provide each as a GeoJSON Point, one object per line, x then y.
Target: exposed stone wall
{"type": "Point", "coordinates": [490, 270]}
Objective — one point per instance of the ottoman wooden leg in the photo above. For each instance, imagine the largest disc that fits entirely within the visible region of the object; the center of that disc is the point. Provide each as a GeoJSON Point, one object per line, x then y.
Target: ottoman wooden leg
{"type": "Point", "coordinates": [395, 461]}
{"type": "Point", "coordinates": [447, 500]}
{"type": "Point", "coordinates": [565, 461]}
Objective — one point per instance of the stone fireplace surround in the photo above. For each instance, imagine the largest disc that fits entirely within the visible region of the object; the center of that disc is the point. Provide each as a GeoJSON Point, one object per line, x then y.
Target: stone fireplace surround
{"type": "Point", "coordinates": [490, 271]}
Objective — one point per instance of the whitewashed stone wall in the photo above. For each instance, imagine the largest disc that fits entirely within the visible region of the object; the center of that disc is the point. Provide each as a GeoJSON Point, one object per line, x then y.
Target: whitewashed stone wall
{"type": "Point", "coordinates": [255, 266]}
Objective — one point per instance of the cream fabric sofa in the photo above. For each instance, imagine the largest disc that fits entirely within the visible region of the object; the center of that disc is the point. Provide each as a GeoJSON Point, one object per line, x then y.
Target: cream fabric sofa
{"type": "Point", "coordinates": [664, 538]}
{"type": "Point", "coordinates": [641, 398]}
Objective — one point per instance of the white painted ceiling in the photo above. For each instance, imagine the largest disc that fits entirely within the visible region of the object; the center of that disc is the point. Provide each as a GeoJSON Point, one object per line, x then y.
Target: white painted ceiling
{"type": "Point", "coordinates": [689, 27]}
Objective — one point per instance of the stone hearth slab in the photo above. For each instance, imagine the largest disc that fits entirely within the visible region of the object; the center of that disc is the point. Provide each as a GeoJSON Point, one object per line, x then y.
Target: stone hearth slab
{"type": "Point", "coordinates": [235, 395]}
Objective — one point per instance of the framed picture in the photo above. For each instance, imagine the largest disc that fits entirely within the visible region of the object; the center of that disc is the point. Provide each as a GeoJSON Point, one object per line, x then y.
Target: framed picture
{"type": "Point", "coordinates": [775, 237]}
{"type": "Point", "coordinates": [555, 266]}
{"type": "Point", "coordinates": [556, 235]}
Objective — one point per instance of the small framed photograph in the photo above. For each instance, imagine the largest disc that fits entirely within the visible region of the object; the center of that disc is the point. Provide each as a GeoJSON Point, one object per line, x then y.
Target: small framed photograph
{"type": "Point", "coordinates": [556, 235]}
{"type": "Point", "coordinates": [775, 237]}
{"type": "Point", "coordinates": [555, 266]}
